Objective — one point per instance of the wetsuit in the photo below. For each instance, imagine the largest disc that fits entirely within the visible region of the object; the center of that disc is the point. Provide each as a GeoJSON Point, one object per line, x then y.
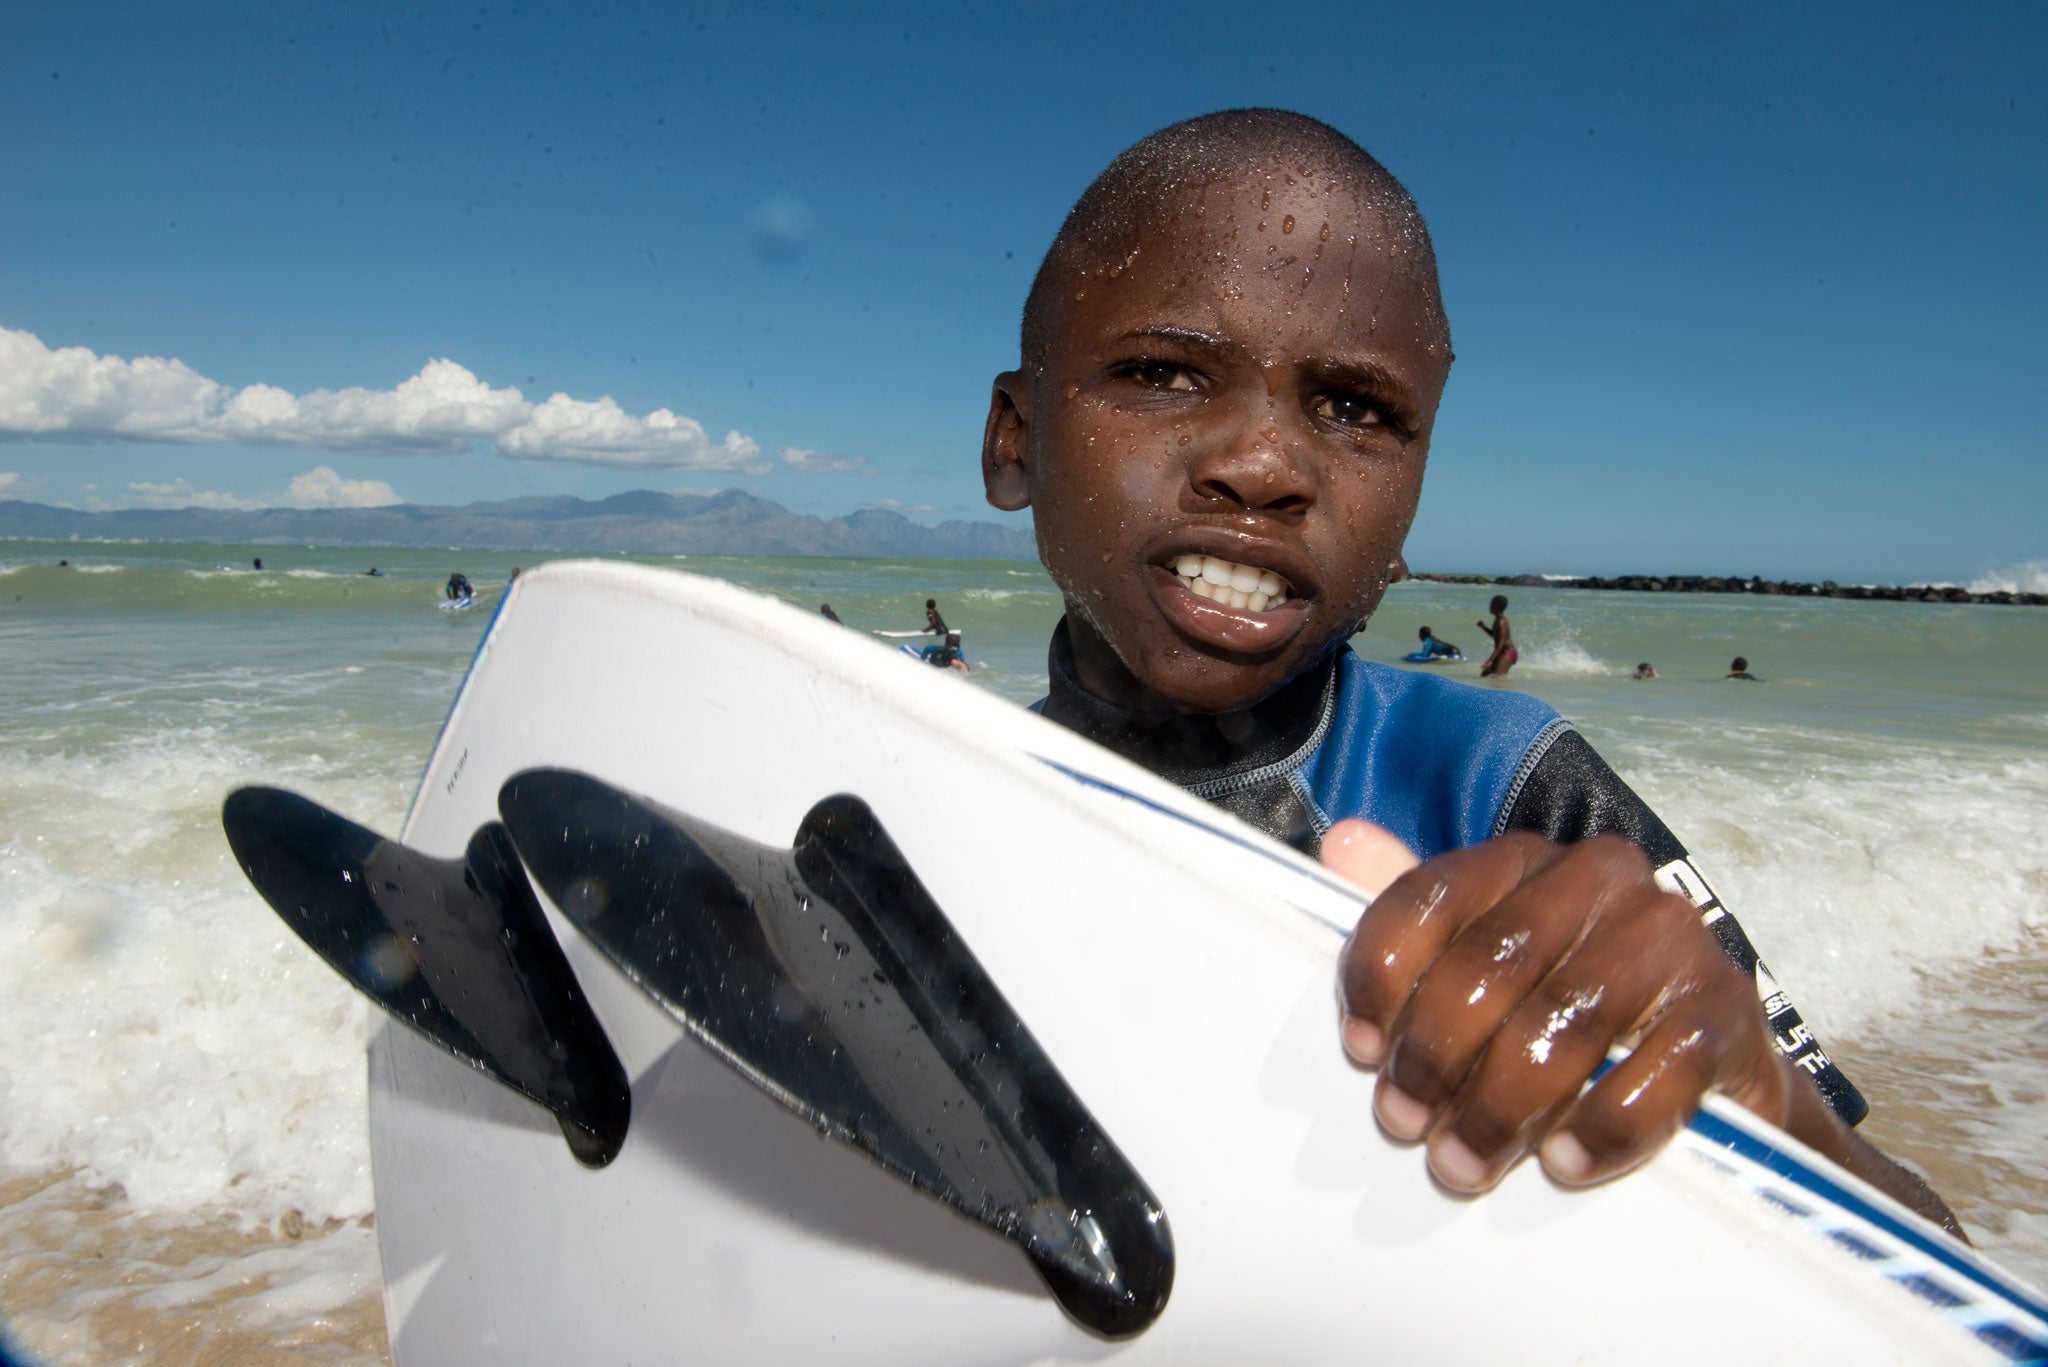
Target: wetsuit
{"type": "Point", "coordinates": [1434, 646]}
{"type": "Point", "coordinates": [1440, 764]}
{"type": "Point", "coordinates": [934, 622]}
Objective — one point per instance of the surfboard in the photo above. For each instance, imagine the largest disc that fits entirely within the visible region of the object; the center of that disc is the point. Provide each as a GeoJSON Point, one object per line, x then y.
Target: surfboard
{"type": "Point", "coordinates": [908, 635]}
{"type": "Point", "coordinates": [671, 753]}
{"type": "Point", "coordinates": [462, 604]}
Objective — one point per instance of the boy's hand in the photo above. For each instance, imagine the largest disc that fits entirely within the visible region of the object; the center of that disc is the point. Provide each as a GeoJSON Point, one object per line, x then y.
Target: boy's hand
{"type": "Point", "coordinates": [1488, 985]}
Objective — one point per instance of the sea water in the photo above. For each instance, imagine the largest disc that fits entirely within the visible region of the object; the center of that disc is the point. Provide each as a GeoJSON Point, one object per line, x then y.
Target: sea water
{"type": "Point", "coordinates": [183, 1159]}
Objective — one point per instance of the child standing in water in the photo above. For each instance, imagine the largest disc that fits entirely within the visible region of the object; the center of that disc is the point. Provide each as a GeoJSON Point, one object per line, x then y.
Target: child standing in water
{"type": "Point", "coordinates": [1504, 653]}
{"type": "Point", "coordinates": [1231, 361]}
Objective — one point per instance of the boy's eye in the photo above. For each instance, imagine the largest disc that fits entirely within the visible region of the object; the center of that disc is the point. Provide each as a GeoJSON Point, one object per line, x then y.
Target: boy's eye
{"type": "Point", "coordinates": [1160, 374]}
{"type": "Point", "coordinates": [1353, 410]}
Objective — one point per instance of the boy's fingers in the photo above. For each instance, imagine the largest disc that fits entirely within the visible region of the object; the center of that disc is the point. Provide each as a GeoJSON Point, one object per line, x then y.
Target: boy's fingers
{"type": "Point", "coordinates": [1500, 968]}
{"type": "Point", "coordinates": [1407, 926]}
{"type": "Point", "coordinates": [1700, 1044]}
{"type": "Point", "coordinates": [1649, 973]}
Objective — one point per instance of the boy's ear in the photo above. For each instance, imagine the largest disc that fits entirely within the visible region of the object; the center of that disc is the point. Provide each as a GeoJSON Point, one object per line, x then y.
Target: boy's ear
{"type": "Point", "coordinates": [1003, 442]}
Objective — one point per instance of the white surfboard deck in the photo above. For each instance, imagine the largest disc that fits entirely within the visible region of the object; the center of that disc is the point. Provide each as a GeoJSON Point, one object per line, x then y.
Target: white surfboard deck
{"type": "Point", "coordinates": [911, 635]}
{"type": "Point", "coordinates": [1175, 965]}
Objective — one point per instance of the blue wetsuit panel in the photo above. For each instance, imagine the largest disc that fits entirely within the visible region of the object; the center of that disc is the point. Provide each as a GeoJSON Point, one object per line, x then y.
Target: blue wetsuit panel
{"type": "Point", "coordinates": [1432, 760]}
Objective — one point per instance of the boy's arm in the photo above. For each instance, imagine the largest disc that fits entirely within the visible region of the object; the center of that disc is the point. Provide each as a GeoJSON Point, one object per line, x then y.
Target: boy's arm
{"type": "Point", "coordinates": [1488, 985]}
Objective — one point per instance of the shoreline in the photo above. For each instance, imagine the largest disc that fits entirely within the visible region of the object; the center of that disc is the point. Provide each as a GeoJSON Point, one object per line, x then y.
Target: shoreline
{"type": "Point", "coordinates": [1779, 588]}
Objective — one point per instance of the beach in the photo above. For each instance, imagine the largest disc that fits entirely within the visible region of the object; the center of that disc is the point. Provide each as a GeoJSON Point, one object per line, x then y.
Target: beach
{"type": "Point", "coordinates": [183, 1160]}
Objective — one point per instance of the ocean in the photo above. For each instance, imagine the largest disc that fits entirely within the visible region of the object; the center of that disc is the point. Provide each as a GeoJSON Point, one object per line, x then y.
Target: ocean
{"type": "Point", "coordinates": [184, 1172]}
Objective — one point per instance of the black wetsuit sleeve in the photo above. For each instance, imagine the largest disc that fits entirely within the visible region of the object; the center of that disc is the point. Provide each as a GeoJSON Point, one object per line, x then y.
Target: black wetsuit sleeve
{"type": "Point", "coordinates": [1571, 794]}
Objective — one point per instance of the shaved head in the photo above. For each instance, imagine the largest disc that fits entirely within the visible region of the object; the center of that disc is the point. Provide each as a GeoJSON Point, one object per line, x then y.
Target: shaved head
{"type": "Point", "coordinates": [1138, 191]}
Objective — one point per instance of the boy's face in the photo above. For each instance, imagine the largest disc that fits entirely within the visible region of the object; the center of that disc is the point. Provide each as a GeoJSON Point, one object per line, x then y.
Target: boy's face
{"type": "Point", "coordinates": [1253, 388]}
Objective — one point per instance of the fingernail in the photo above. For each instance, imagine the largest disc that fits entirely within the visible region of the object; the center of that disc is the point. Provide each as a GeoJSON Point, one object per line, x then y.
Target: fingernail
{"type": "Point", "coordinates": [1363, 1040]}
{"type": "Point", "coordinates": [1456, 1166]}
{"type": "Point", "coordinates": [1400, 1114]}
{"type": "Point", "coordinates": [1565, 1158]}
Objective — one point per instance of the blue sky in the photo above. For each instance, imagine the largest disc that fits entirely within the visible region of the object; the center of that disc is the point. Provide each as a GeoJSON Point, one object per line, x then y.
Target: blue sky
{"type": "Point", "coordinates": [1735, 288]}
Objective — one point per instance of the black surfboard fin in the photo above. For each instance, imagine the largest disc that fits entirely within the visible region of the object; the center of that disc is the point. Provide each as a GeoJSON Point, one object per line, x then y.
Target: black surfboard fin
{"type": "Point", "coordinates": [458, 949]}
{"type": "Point", "coordinates": [828, 976]}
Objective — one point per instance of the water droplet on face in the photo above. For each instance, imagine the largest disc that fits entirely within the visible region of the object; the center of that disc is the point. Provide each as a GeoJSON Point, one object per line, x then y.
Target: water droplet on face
{"type": "Point", "coordinates": [1184, 439]}
{"type": "Point", "coordinates": [1324, 235]}
{"type": "Point", "coordinates": [1287, 224]}
{"type": "Point", "coordinates": [1106, 557]}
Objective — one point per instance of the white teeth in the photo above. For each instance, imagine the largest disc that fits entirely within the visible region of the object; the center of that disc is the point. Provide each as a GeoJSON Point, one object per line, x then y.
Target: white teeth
{"type": "Point", "coordinates": [1225, 581]}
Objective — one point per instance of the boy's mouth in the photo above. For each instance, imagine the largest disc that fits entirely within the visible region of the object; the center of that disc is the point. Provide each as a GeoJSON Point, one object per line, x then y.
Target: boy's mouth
{"type": "Point", "coordinates": [1227, 604]}
{"type": "Point", "coordinates": [1226, 582]}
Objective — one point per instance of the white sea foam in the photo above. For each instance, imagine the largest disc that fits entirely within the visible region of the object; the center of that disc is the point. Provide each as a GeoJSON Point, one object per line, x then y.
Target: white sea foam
{"type": "Point", "coordinates": [188, 1047]}
{"type": "Point", "coordinates": [1859, 873]}
{"type": "Point", "coordinates": [1559, 655]}
{"type": "Point", "coordinates": [2027, 577]}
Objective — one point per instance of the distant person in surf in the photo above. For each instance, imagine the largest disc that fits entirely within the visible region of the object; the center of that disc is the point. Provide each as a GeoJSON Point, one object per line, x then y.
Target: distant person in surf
{"type": "Point", "coordinates": [1437, 649]}
{"type": "Point", "coordinates": [514, 575]}
{"type": "Point", "coordinates": [932, 621]}
{"type": "Point", "coordinates": [1738, 668]}
{"type": "Point", "coordinates": [1504, 653]}
{"type": "Point", "coordinates": [371, 573]}
{"type": "Point", "coordinates": [259, 562]}
{"type": "Point", "coordinates": [825, 611]}
{"type": "Point", "coordinates": [459, 587]}
{"type": "Point", "coordinates": [1645, 670]}
{"type": "Point", "coordinates": [946, 655]}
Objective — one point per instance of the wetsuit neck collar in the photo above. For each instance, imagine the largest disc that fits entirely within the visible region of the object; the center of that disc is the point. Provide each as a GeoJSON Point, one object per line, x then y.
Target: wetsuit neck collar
{"type": "Point", "coordinates": [1189, 748]}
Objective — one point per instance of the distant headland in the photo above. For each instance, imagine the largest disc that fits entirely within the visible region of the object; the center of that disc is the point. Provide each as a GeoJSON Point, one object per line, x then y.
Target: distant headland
{"type": "Point", "coordinates": [730, 523]}
{"type": "Point", "coordinates": [1779, 588]}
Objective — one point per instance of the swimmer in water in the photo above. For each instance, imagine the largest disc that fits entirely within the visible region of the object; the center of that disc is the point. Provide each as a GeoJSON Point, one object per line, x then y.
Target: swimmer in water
{"type": "Point", "coordinates": [825, 611]}
{"type": "Point", "coordinates": [1504, 653]}
{"type": "Point", "coordinates": [1738, 668]}
{"type": "Point", "coordinates": [1645, 670]}
{"type": "Point", "coordinates": [1437, 649]}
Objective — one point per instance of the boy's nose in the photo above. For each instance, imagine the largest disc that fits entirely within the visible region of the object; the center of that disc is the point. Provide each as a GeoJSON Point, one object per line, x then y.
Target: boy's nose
{"type": "Point", "coordinates": [1255, 465]}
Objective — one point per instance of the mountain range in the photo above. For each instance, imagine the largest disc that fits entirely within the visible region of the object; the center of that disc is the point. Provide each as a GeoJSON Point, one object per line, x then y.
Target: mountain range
{"type": "Point", "coordinates": [730, 523]}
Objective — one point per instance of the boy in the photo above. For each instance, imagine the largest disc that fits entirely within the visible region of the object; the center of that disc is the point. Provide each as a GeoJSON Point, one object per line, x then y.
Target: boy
{"type": "Point", "coordinates": [1232, 357]}
{"type": "Point", "coordinates": [1504, 653]}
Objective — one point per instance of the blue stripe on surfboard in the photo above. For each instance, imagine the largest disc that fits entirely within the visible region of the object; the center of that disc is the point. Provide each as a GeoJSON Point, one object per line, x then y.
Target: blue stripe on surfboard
{"type": "Point", "coordinates": [1992, 1323]}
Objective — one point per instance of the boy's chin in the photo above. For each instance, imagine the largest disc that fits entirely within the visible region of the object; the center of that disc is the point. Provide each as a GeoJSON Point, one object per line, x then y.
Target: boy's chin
{"type": "Point", "coordinates": [1206, 685]}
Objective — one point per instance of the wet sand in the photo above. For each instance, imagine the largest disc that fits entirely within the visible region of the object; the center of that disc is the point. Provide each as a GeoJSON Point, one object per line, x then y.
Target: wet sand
{"type": "Point", "coordinates": [85, 1280]}
{"type": "Point", "coordinates": [1956, 1092]}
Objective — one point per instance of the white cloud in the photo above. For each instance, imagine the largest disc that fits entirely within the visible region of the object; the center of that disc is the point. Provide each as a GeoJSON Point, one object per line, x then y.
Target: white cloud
{"type": "Point", "coordinates": [74, 394]}
{"type": "Point", "coordinates": [896, 505]}
{"type": "Point", "coordinates": [320, 487]}
{"type": "Point", "coordinates": [8, 479]}
{"type": "Point", "coordinates": [824, 462]}
{"type": "Point", "coordinates": [182, 493]}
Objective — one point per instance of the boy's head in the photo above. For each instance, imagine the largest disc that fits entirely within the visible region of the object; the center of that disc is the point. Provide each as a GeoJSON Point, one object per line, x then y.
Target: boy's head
{"type": "Point", "coordinates": [1422, 635]}
{"type": "Point", "coordinates": [1498, 605]}
{"type": "Point", "coordinates": [1738, 665]}
{"type": "Point", "coordinates": [1232, 360]}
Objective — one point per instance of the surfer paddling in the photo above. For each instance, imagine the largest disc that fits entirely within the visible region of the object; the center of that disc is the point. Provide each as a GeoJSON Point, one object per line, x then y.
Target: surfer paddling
{"type": "Point", "coordinates": [1231, 362]}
